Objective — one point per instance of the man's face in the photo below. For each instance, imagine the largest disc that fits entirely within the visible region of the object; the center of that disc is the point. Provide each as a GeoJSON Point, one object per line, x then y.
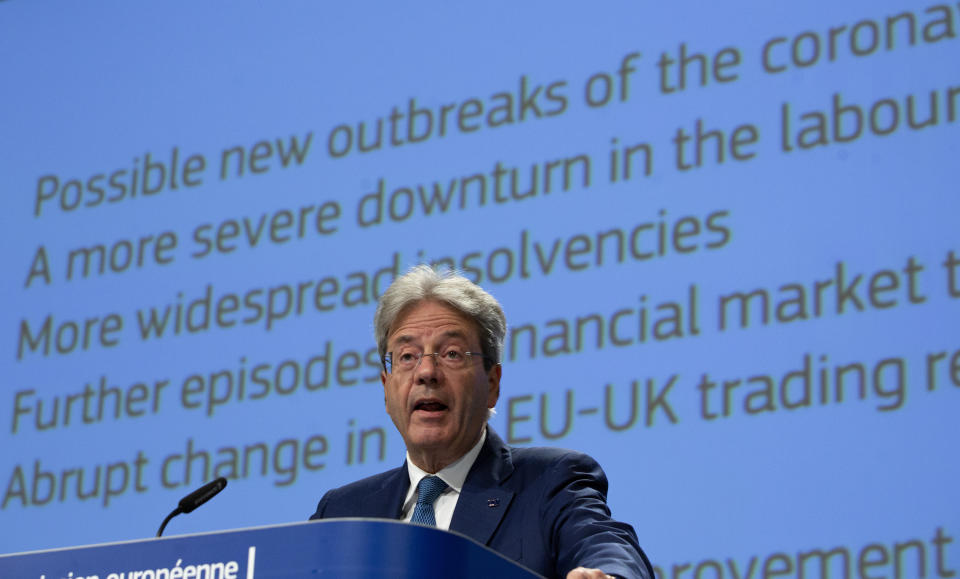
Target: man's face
{"type": "Point", "coordinates": [440, 412]}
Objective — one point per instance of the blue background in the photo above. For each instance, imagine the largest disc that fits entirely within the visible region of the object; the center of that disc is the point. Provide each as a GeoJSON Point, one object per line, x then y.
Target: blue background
{"type": "Point", "coordinates": [88, 88]}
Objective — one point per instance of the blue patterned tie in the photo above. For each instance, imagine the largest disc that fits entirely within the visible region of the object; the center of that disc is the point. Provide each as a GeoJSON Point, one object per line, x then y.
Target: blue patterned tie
{"type": "Point", "coordinates": [428, 490]}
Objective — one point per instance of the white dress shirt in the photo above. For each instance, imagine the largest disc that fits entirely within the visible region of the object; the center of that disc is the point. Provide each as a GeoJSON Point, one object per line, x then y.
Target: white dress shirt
{"type": "Point", "coordinates": [454, 474]}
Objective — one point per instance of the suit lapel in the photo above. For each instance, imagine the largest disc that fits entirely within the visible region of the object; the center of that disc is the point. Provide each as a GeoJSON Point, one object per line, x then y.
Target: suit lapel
{"type": "Point", "coordinates": [388, 502]}
{"type": "Point", "coordinates": [484, 501]}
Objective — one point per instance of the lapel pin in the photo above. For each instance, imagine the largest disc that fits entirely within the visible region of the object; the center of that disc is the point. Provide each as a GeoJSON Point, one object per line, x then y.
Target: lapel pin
{"type": "Point", "coordinates": [493, 503]}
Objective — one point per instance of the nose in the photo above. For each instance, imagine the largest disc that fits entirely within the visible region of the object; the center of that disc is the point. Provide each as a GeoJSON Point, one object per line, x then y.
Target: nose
{"type": "Point", "coordinates": [428, 369]}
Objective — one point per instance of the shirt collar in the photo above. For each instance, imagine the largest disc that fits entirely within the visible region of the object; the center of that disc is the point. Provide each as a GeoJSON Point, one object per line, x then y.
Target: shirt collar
{"type": "Point", "coordinates": [455, 473]}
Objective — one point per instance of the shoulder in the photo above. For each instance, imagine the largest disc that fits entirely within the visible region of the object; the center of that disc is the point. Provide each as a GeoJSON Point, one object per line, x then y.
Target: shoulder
{"type": "Point", "coordinates": [554, 464]}
{"type": "Point", "coordinates": [368, 484]}
{"type": "Point", "coordinates": [527, 468]}
{"type": "Point", "coordinates": [362, 497]}
{"type": "Point", "coordinates": [535, 457]}
{"type": "Point", "coordinates": [561, 474]}
{"type": "Point", "coordinates": [544, 456]}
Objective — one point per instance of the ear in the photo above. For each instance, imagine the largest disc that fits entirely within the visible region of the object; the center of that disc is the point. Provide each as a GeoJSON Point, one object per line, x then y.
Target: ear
{"type": "Point", "coordinates": [383, 380]}
{"type": "Point", "coordinates": [493, 385]}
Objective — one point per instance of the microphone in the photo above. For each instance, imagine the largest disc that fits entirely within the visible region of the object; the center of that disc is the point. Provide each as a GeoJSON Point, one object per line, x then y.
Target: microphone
{"type": "Point", "coordinates": [195, 499]}
{"type": "Point", "coordinates": [201, 495]}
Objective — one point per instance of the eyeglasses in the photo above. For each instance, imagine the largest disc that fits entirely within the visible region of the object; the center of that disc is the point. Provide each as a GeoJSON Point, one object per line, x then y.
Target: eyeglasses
{"type": "Point", "coordinates": [450, 358]}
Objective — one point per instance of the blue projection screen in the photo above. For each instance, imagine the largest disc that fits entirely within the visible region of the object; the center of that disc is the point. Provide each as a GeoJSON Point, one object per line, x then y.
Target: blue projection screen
{"type": "Point", "coordinates": [724, 234]}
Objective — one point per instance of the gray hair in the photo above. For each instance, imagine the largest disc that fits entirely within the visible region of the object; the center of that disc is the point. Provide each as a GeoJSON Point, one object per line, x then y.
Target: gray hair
{"type": "Point", "coordinates": [423, 283]}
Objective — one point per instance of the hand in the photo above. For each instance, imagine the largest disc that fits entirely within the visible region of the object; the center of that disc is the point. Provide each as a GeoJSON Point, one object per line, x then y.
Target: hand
{"type": "Point", "coordinates": [584, 573]}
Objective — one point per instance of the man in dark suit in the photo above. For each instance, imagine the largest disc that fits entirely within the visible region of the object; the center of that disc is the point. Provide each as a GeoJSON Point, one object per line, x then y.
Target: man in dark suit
{"type": "Point", "coordinates": [440, 337]}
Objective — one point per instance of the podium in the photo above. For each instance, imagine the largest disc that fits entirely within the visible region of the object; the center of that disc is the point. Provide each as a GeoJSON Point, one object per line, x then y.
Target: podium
{"type": "Point", "coordinates": [352, 548]}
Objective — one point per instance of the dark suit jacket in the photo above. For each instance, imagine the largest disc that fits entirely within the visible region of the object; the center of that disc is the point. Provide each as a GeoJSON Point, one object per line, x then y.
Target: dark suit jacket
{"type": "Point", "coordinates": [549, 509]}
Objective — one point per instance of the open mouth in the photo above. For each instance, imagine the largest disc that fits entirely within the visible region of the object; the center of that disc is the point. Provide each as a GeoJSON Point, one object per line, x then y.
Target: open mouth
{"type": "Point", "coordinates": [430, 406]}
